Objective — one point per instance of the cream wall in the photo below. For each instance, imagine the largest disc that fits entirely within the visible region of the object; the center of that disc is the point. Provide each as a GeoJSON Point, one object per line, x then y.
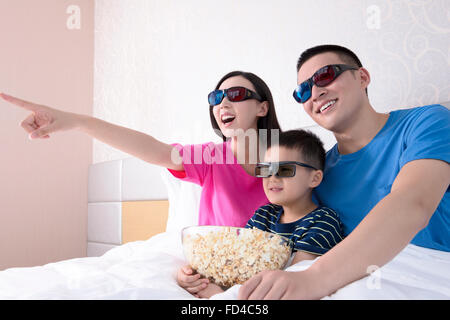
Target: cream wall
{"type": "Point", "coordinates": [43, 189]}
{"type": "Point", "coordinates": [155, 61]}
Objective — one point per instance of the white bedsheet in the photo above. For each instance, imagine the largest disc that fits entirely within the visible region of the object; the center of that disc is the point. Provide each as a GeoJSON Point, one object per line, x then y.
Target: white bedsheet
{"type": "Point", "coordinates": [146, 270]}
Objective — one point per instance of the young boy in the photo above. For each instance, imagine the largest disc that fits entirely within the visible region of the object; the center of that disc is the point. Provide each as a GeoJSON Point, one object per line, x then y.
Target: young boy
{"type": "Point", "coordinates": [292, 169]}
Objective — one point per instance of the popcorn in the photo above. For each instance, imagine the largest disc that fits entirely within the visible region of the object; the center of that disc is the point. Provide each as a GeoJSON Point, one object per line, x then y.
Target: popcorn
{"type": "Point", "coordinates": [233, 255]}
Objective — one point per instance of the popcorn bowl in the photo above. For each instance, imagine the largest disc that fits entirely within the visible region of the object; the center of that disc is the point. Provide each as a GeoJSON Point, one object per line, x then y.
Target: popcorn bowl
{"type": "Point", "coordinates": [230, 255]}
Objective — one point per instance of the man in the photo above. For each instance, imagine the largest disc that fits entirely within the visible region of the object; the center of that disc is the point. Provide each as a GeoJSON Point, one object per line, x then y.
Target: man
{"type": "Point", "coordinates": [388, 177]}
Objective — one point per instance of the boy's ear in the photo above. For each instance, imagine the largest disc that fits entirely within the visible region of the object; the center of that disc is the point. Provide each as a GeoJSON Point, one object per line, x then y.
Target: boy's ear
{"type": "Point", "coordinates": [263, 109]}
{"type": "Point", "coordinates": [317, 178]}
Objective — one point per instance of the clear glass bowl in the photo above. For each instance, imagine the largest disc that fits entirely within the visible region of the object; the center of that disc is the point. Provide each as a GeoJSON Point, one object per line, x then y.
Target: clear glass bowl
{"type": "Point", "coordinates": [229, 255]}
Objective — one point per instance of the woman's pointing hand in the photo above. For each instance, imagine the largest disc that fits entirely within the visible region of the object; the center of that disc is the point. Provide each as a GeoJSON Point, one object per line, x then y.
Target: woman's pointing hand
{"type": "Point", "coordinates": [43, 120]}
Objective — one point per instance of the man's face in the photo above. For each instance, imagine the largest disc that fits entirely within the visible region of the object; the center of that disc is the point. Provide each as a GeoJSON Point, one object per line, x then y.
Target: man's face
{"type": "Point", "coordinates": [344, 95]}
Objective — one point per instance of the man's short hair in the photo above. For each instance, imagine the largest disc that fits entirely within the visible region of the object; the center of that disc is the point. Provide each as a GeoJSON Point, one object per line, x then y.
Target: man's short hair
{"type": "Point", "coordinates": [307, 143]}
{"type": "Point", "coordinates": [345, 54]}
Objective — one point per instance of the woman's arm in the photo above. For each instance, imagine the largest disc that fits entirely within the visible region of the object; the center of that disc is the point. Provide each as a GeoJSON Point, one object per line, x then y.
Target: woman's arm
{"type": "Point", "coordinates": [135, 143]}
{"type": "Point", "coordinates": [45, 120]}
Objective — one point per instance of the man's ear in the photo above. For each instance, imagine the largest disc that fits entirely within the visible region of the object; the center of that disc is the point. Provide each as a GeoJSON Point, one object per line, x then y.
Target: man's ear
{"type": "Point", "coordinates": [365, 77]}
{"type": "Point", "coordinates": [263, 109]}
{"type": "Point", "coordinates": [316, 179]}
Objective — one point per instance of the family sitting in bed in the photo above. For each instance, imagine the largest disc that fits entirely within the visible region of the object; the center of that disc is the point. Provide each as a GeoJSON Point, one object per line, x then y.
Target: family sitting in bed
{"type": "Point", "coordinates": [387, 178]}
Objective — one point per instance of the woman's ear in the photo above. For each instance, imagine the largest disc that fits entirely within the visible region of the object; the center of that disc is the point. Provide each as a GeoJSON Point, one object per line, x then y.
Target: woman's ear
{"type": "Point", "coordinates": [316, 178]}
{"type": "Point", "coordinates": [263, 109]}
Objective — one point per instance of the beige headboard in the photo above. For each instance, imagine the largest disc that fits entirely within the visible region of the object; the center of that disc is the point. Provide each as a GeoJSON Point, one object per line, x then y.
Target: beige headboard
{"type": "Point", "coordinates": [127, 201]}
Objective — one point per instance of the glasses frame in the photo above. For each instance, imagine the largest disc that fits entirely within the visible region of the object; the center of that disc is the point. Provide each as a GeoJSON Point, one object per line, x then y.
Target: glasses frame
{"type": "Point", "coordinates": [248, 94]}
{"type": "Point", "coordinates": [308, 84]}
{"type": "Point", "coordinates": [274, 167]}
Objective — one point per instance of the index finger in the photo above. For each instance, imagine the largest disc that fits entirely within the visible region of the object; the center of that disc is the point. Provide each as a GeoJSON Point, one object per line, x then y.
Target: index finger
{"type": "Point", "coordinates": [19, 102]}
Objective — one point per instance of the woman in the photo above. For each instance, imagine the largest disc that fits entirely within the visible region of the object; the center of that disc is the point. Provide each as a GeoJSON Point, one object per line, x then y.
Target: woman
{"type": "Point", "coordinates": [240, 104]}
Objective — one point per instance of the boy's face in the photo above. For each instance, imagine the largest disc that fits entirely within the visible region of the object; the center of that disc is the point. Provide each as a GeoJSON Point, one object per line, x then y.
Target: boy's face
{"type": "Point", "coordinates": [347, 92]}
{"type": "Point", "coordinates": [285, 191]}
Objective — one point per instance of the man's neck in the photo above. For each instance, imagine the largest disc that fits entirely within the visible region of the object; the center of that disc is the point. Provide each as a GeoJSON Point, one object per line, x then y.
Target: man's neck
{"type": "Point", "coordinates": [362, 129]}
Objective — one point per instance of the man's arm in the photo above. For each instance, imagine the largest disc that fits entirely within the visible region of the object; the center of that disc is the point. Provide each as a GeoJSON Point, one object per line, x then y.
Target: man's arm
{"type": "Point", "coordinates": [390, 225]}
{"type": "Point", "coordinates": [381, 235]}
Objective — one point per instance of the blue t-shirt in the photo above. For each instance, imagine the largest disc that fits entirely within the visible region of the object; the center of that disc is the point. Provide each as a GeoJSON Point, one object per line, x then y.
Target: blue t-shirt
{"type": "Point", "coordinates": [354, 183]}
{"type": "Point", "coordinates": [316, 233]}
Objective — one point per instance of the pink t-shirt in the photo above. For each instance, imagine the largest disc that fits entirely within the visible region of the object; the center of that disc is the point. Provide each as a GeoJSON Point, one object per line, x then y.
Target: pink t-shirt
{"type": "Point", "coordinates": [230, 196]}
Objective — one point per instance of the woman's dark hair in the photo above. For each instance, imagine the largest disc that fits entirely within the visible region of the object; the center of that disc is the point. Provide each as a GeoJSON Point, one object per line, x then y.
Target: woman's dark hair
{"type": "Point", "coordinates": [307, 143]}
{"type": "Point", "coordinates": [269, 121]}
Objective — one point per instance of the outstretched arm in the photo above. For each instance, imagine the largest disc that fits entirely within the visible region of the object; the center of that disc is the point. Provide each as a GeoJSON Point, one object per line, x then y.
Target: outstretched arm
{"type": "Point", "coordinates": [44, 121]}
{"type": "Point", "coordinates": [381, 235]}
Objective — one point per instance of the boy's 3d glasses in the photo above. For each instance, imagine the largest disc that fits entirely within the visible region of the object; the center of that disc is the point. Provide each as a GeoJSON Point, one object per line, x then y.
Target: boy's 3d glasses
{"type": "Point", "coordinates": [282, 169]}
{"type": "Point", "coordinates": [321, 78]}
{"type": "Point", "coordinates": [234, 94]}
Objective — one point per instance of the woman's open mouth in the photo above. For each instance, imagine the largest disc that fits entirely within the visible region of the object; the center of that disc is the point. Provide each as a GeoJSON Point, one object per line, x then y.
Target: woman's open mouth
{"type": "Point", "coordinates": [227, 120]}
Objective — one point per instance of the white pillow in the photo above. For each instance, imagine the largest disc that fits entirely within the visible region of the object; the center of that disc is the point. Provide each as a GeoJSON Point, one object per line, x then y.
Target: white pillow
{"type": "Point", "coordinates": [184, 201]}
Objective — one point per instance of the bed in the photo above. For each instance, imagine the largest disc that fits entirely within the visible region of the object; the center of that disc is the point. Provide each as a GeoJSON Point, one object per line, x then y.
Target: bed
{"type": "Point", "coordinates": [135, 214]}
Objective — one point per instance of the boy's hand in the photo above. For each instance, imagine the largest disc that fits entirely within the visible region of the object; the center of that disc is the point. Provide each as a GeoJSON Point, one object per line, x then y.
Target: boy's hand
{"type": "Point", "coordinates": [44, 120]}
{"type": "Point", "coordinates": [190, 281]}
{"type": "Point", "coordinates": [210, 290]}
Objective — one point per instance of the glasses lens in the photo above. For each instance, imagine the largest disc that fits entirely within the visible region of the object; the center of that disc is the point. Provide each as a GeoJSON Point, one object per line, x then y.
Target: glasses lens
{"type": "Point", "coordinates": [262, 171]}
{"type": "Point", "coordinates": [324, 76]}
{"type": "Point", "coordinates": [303, 92]}
{"type": "Point", "coordinates": [215, 97]}
{"type": "Point", "coordinates": [236, 94]}
{"type": "Point", "coordinates": [296, 95]}
{"type": "Point", "coordinates": [286, 170]}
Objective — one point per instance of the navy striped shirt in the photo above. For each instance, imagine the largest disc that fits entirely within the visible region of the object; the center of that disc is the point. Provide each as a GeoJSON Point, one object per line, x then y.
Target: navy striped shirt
{"type": "Point", "coordinates": [316, 233]}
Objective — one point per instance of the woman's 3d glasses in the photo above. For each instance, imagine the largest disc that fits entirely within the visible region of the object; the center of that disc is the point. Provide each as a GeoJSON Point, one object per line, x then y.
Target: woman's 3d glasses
{"type": "Point", "coordinates": [234, 94]}
{"type": "Point", "coordinates": [283, 169]}
{"type": "Point", "coordinates": [321, 78]}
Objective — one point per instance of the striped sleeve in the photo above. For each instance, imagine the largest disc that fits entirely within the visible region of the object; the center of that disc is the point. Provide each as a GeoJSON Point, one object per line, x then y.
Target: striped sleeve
{"type": "Point", "coordinates": [323, 232]}
{"type": "Point", "coordinates": [250, 223]}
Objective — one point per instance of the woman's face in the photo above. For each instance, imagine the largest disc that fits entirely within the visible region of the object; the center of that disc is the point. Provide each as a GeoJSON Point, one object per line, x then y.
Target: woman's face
{"type": "Point", "coordinates": [243, 115]}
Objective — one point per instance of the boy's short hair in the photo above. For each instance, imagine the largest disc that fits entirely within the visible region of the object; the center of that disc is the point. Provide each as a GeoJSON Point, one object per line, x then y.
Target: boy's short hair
{"type": "Point", "coordinates": [307, 143]}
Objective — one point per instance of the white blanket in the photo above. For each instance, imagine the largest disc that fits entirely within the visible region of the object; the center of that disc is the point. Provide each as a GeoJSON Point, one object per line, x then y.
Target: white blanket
{"type": "Point", "coordinates": [146, 270]}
